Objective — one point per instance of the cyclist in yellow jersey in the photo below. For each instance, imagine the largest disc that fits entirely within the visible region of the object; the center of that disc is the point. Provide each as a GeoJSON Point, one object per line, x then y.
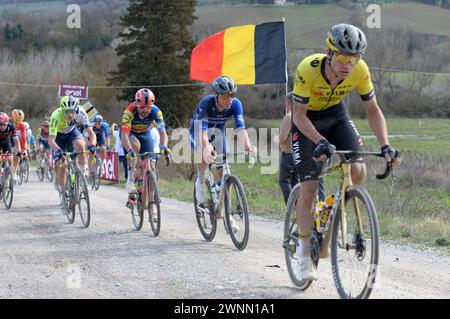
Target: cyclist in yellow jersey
{"type": "Point", "coordinates": [321, 122]}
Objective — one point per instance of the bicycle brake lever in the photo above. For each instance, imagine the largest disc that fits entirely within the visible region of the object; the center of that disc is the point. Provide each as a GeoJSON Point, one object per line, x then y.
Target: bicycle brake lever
{"type": "Point", "coordinates": [386, 172]}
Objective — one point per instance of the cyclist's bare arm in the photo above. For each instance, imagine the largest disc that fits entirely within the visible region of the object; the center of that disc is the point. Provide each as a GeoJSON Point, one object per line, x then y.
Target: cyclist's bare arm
{"type": "Point", "coordinates": [163, 137]}
{"type": "Point", "coordinates": [304, 124]}
{"type": "Point", "coordinates": [243, 138]}
{"type": "Point", "coordinates": [126, 140]}
{"type": "Point", "coordinates": [92, 136]}
{"type": "Point", "coordinates": [17, 143]}
{"type": "Point", "coordinates": [376, 120]}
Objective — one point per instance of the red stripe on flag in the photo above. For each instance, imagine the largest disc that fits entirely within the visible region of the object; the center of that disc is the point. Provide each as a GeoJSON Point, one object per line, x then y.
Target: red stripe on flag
{"type": "Point", "coordinates": [207, 58]}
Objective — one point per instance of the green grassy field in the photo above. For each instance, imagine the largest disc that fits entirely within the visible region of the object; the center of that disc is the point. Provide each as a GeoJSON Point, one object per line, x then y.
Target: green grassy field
{"type": "Point", "coordinates": [422, 136]}
{"type": "Point", "coordinates": [306, 24]}
{"type": "Point", "coordinates": [414, 208]}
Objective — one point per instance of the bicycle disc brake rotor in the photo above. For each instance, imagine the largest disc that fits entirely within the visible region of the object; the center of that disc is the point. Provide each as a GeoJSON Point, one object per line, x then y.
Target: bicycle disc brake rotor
{"type": "Point", "coordinates": [360, 247]}
{"type": "Point", "coordinates": [315, 249]}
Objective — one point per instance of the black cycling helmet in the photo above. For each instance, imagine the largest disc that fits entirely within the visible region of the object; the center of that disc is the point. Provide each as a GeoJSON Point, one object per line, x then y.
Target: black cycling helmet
{"type": "Point", "coordinates": [224, 85]}
{"type": "Point", "coordinates": [347, 39]}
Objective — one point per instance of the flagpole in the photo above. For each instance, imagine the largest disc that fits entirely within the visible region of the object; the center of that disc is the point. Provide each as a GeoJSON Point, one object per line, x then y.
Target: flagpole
{"type": "Point", "coordinates": [285, 49]}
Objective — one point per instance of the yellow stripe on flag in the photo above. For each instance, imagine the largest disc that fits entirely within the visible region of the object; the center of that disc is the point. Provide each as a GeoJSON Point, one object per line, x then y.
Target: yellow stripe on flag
{"type": "Point", "coordinates": [239, 54]}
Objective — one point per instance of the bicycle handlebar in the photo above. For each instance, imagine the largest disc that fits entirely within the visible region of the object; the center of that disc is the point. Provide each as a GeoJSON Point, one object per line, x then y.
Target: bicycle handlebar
{"type": "Point", "coordinates": [150, 154]}
{"type": "Point", "coordinates": [354, 155]}
{"type": "Point", "coordinates": [224, 156]}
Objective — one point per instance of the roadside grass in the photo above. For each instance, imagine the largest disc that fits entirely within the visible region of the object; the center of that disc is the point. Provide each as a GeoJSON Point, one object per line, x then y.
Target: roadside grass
{"type": "Point", "coordinates": [414, 208]}
{"type": "Point", "coordinates": [427, 136]}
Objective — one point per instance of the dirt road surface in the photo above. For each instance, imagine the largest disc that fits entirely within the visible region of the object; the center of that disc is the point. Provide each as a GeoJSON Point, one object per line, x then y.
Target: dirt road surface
{"type": "Point", "coordinates": [42, 256]}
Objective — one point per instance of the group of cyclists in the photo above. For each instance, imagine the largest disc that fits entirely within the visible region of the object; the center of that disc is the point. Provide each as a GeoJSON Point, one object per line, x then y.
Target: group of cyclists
{"type": "Point", "coordinates": [320, 124]}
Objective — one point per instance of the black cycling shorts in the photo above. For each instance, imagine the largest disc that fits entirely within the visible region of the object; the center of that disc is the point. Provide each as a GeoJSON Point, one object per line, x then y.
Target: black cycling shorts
{"type": "Point", "coordinates": [5, 145]}
{"type": "Point", "coordinates": [336, 126]}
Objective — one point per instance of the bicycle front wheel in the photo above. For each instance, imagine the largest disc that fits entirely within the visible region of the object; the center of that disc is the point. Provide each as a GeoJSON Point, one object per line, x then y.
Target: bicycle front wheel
{"type": "Point", "coordinates": [82, 196]}
{"type": "Point", "coordinates": [49, 173]}
{"type": "Point", "coordinates": [355, 245]}
{"type": "Point", "coordinates": [40, 170]}
{"type": "Point", "coordinates": [68, 199]}
{"type": "Point", "coordinates": [20, 173]}
{"type": "Point", "coordinates": [290, 239]}
{"type": "Point", "coordinates": [8, 187]}
{"type": "Point", "coordinates": [205, 215]}
{"type": "Point", "coordinates": [236, 212]}
{"type": "Point", "coordinates": [26, 167]}
{"type": "Point", "coordinates": [154, 209]}
{"type": "Point", "coordinates": [98, 175]}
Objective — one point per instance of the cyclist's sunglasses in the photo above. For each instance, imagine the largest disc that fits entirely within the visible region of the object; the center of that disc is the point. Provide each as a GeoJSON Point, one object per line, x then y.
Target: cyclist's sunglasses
{"type": "Point", "coordinates": [3, 124]}
{"type": "Point", "coordinates": [344, 58]}
{"type": "Point", "coordinates": [69, 111]}
{"type": "Point", "coordinates": [143, 108]}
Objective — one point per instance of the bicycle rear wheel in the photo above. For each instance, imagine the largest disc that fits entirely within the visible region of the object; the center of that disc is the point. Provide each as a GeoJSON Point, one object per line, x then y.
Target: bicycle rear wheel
{"type": "Point", "coordinates": [137, 214]}
{"type": "Point", "coordinates": [8, 187]}
{"type": "Point", "coordinates": [205, 215]}
{"type": "Point", "coordinates": [153, 207]}
{"type": "Point", "coordinates": [355, 245]}
{"type": "Point", "coordinates": [82, 199]}
{"type": "Point", "coordinates": [291, 238]}
{"type": "Point", "coordinates": [236, 212]}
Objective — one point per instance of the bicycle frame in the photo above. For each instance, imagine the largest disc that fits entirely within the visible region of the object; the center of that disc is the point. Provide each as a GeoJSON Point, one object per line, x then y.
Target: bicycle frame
{"type": "Point", "coordinates": [344, 167]}
{"type": "Point", "coordinates": [137, 165]}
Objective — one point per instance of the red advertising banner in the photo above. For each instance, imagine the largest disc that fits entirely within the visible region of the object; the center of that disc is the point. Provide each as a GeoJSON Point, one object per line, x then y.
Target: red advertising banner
{"type": "Point", "coordinates": [111, 167]}
{"type": "Point", "coordinates": [75, 90]}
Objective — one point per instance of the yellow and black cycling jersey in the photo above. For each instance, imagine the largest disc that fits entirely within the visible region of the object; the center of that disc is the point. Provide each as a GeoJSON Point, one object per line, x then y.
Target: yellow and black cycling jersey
{"type": "Point", "coordinates": [313, 88]}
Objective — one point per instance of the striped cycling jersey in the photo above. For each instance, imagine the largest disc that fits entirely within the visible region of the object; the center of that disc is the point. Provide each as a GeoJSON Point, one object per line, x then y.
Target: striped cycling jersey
{"type": "Point", "coordinates": [132, 122]}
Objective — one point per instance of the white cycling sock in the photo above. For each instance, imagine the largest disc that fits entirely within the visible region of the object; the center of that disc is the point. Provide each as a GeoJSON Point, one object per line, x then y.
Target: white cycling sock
{"type": "Point", "coordinates": [201, 177]}
{"type": "Point", "coordinates": [304, 247]}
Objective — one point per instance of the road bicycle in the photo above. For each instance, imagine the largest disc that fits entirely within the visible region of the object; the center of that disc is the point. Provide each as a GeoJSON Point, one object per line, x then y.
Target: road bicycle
{"type": "Point", "coordinates": [145, 181]}
{"type": "Point", "coordinates": [6, 181]}
{"type": "Point", "coordinates": [23, 171]}
{"type": "Point", "coordinates": [95, 169]}
{"type": "Point", "coordinates": [227, 191]}
{"type": "Point", "coordinates": [76, 193]}
{"type": "Point", "coordinates": [349, 220]}
{"type": "Point", "coordinates": [44, 167]}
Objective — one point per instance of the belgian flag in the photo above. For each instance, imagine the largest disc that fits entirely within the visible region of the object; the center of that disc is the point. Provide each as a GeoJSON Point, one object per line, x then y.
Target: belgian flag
{"type": "Point", "coordinates": [250, 54]}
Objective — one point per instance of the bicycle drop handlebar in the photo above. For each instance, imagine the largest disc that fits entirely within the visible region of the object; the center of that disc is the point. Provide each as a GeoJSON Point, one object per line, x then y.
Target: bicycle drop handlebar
{"type": "Point", "coordinates": [351, 157]}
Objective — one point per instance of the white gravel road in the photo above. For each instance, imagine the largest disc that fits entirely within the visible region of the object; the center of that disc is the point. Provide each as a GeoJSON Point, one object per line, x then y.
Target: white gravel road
{"type": "Point", "coordinates": [42, 256]}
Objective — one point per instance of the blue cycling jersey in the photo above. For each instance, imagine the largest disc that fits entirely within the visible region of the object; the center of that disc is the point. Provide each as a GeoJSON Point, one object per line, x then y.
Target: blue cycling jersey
{"type": "Point", "coordinates": [210, 117]}
{"type": "Point", "coordinates": [104, 128]}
